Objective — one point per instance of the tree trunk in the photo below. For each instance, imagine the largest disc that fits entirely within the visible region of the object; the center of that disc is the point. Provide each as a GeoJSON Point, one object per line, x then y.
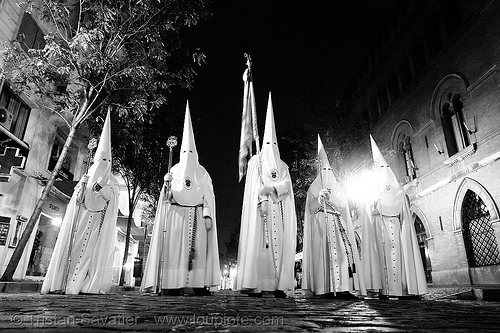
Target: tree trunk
{"type": "Point", "coordinates": [18, 252]}
{"type": "Point", "coordinates": [127, 244]}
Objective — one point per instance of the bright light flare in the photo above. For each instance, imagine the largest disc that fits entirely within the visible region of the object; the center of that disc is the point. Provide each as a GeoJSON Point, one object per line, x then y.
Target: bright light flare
{"type": "Point", "coordinates": [129, 265]}
{"type": "Point", "coordinates": [363, 187]}
{"type": "Point", "coordinates": [232, 272]}
{"type": "Point", "coordinates": [57, 221]}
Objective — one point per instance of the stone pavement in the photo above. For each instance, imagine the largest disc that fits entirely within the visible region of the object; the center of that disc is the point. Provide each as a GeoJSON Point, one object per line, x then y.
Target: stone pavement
{"type": "Point", "coordinates": [228, 311]}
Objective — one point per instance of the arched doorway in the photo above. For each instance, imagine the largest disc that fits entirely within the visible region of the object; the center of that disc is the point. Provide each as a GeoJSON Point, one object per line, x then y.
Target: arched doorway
{"type": "Point", "coordinates": [422, 244]}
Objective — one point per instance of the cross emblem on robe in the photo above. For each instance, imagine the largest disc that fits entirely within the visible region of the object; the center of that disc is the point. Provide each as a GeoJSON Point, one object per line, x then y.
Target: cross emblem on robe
{"type": "Point", "coordinates": [9, 158]}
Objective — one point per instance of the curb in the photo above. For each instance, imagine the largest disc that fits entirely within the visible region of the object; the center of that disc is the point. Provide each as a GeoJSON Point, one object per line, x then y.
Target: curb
{"type": "Point", "coordinates": [20, 287]}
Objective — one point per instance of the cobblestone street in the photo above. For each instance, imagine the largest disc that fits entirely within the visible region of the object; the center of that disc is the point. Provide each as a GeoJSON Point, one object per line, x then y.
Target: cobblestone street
{"type": "Point", "coordinates": [232, 312]}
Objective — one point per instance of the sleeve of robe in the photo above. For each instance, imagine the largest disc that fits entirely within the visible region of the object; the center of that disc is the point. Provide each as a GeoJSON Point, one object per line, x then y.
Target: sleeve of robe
{"type": "Point", "coordinates": [416, 281]}
{"type": "Point", "coordinates": [370, 255]}
{"type": "Point", "coordinates": [289, 233]}
{"type": "Point", "coordinates": [55, 273]}
{"type": "Point", "coordinates": [212, 271]}
{"type": "Point", "coordinates": [307, 259]}
{"type": "Point", "coordinates": [358, 275]}
{"type": "Point", "coordinates": [246, 276]}
{"type": "Point", "coordinates": [102, 264]}
{"type": "Point", "coordinates": [150, 277]}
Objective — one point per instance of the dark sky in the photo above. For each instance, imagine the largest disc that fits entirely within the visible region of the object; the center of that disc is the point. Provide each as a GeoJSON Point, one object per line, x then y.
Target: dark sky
{"type": "Point", "coordinates": [303, 52]}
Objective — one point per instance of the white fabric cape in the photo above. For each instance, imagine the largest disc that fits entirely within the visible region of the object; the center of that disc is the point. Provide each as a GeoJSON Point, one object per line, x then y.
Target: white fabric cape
{"type": "Point", "coordinates": [91, 265]}
{"type": "Point", "coordinates": [256, 270]}
{"type": "Point", "coordinates": [325, 262]}
{"type": "Point", "coordinates": [391, 256]}
{"type": "Point", "coordinates": [173, 247]}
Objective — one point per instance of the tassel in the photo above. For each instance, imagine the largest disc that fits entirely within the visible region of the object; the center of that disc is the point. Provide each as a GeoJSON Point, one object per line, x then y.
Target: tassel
{"type": "Point", "coordinates": [193, 238]}
{"type": "Point", "coordinates": [190, 262]}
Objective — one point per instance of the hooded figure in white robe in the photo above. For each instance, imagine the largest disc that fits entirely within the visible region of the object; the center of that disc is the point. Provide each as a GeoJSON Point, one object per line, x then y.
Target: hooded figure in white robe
{"type": "Point", "coordinates": [266, 253]}
{"type": "Point", "coordinates": [82, 261]}
{"type": "Point", "coordinates": [389, 239]}
{"type": "Point", "coordinates": [184, 249]}
{"type": "Point", "coordinates": [331, 260]}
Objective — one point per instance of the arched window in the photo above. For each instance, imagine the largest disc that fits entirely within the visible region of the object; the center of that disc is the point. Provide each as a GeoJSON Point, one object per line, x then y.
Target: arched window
{"type": "Point", "coordinates": [479, 237]}
{"type": "Point", "coordinates": [448, 108]}
{"type": "Point", "coordinates": [453, 122]}
{"type": "Point", "coordinates": [401, 142]}
{"type": "Point", "coordinates": [422, 244]}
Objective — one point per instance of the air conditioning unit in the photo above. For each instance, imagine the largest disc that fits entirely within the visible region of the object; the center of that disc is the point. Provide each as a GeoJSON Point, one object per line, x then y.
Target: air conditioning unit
{"type": "Point", "coordinates": [6, 118]}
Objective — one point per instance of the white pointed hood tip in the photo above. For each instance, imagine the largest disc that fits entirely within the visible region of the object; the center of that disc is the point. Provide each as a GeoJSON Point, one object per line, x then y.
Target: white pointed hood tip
{"type": "Point", "coordinates": [188, 146]}
{"type": "Point", "coordinates": [101, 167]}
{"type": "Point", "coordinates": [378, 158]}
{"type": "Point", "coordinates": [188, 175]}
{"type": "Point", "coordinates": [325, 175]}
{"type": "Point", "coordinates": [270, 140]}
{"type": "Point", "coordinates": [100, 171]}
{"type": "Point", "coordinates": [273, 169]}
{"type": "Point", "coordinates": [323, 158]}
{"type": "Point", "coordinates": [391, 192]}
{"type": "Point", "coordinates": [103, 151]}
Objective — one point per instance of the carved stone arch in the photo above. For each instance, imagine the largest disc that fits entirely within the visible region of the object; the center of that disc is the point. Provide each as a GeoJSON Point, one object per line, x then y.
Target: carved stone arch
{"type": "Point", "coordinates": [415, 209]}
{"type": "Point", "coordinates": [480, 190]}
{"type": "Point", "coordinates": [401, 139]}
{"type": "Point", "coordinates": [449, 85]}
{"type": "Point", "coordinates": [402, 128]}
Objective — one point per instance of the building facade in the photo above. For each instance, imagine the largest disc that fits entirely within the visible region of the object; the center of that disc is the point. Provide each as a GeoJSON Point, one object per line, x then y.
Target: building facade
{"type": "Point", "coordinates": [31, 140]}
{"type": "Point", "coordinates": [429, 94]}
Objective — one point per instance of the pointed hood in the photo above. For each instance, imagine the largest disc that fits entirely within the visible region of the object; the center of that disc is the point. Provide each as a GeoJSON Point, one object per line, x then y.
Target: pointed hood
{"type": "Point", "coordinates": [378, 158]}
{"type": "Point", "coordinates": [188, 146]}
{"type": "Point", "coordinates": [270, 155]}
{"type": "Point", "coordinates": [323, 158]}
{"type": "Point", "coordinates": [102, 157]}
{"type": "Point", "coordinates": [100, 171]}
{"type": "Point", "coordinates": [391, 192]}
{"type": "Point", "coordinates": [326, 176]}
{"type": "Point", "coordinates": [188, 174]}
{"type": "Point", "coordinates": [270, 139]}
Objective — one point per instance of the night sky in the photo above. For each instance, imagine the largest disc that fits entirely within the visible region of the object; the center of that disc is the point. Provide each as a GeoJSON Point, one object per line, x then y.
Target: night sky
{"type": "Point", "coordinates": [304, 52]}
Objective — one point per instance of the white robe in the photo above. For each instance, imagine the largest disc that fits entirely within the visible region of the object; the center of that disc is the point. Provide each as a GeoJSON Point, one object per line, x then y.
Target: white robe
{"type": "Point", "coordinates": [331, 260]}
{"type": "Point", "coordinates": [394, 265]}
{"type": "Point", "coordinates": [90, 268]}
{"type": "Point", "coordinates": [172, 239]}
{"type": "Point", "coordinates": [271, 268]}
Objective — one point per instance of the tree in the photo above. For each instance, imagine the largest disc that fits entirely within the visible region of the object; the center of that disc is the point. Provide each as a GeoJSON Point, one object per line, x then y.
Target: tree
{"type": "Point", "coordinates": [232, 246]}
{"type": "Point", "coordinates": [101, 53]}
{"type": "Point", "coordinates": [141, 159]}
{"type": "Point", "coordinates": [300, 146]}
{"type": "Point", "coordinates": [134, 194]}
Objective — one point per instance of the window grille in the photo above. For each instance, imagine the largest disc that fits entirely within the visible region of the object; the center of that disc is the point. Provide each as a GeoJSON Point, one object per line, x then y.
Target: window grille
{"type": "Point", "coordinates": [424, 250]}
{"type": "Point", "coordinates": [406, 155]}
{"type": "Point", "coordinates": [479, 237]}
{"type": "Point", "coordinates": [16, 112]}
